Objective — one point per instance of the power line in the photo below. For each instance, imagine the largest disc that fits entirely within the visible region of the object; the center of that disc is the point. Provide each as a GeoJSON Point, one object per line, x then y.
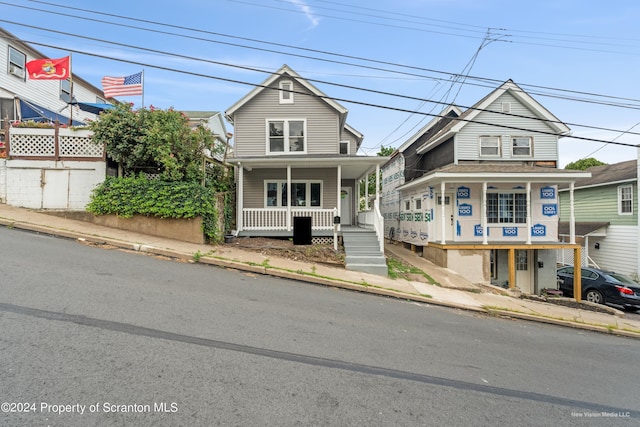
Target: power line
{"type": "Point", "coordinates": [485, 80]}
{"type": "Point", "coordinates": [379, 92]}
{"type": "Point", "coordinates": [351, 101]}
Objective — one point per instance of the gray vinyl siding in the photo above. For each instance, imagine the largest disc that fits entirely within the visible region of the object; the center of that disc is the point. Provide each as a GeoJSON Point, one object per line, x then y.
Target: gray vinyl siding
{"type": "Point", "coordinates": [250, 121]}
{"type": "Point", "coordinates": [544, 147]}
{"type": "Point", "coordinates": [253, 190]}
{"type": "Point", "coordinates": [598, 204]}
{"type": "Point", "coordinates": [348, 136]}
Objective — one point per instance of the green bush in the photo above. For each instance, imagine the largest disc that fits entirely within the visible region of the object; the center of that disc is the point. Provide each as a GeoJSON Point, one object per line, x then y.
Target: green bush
{"type": "Point", "coordinates": [130, 196]}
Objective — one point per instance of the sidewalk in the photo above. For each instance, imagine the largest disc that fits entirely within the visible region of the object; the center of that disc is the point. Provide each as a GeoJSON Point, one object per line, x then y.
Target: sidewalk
{"type": "Point", "coordinates": [452, 291]}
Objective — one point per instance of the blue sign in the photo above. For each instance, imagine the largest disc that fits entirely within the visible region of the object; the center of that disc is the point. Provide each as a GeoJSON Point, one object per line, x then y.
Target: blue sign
{"type": "Point", "coordinates": [547, 193]}
{"type": "Point", "coordinates": [465, 209]}
{"type": "Point", "coordinates": [509, 231]}
{"type": "Point", "coordinates": [463, 193]}
{"type": "Point", "coordinates": [424, 236]}
{"type": "Point", "coordinates": [550, 209]}
{"type": "Point", "coordinates": [539, 230]}
{"type": "Point", "coordinates": [477, 230]}
{"type": "Point", "coordinates": [458, 228]}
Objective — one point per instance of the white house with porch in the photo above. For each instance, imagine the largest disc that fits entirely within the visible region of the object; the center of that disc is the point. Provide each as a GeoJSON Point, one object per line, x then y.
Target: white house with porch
{"type": "Point", "coordinates": [297, 157]}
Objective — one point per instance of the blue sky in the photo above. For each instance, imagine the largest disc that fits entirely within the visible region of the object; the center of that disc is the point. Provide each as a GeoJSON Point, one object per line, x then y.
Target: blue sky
{"type": "Point", "coordinates": [564, 48]}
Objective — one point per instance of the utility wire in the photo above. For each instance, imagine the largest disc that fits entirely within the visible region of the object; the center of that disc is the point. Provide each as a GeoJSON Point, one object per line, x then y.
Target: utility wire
{"type": "Point", "coordinates": [51, 30]}
{"type": "Point", "coordinates": [488, 82]}
{"type": "Point", "coordinates": [351, 101]}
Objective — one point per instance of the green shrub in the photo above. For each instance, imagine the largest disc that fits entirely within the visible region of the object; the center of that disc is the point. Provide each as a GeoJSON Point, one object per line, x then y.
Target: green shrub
{"type": "Point", "coordinates": [130, 196]}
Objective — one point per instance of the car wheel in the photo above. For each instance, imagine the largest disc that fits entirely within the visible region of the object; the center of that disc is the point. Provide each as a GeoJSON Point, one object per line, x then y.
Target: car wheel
{"type": "Point", "coordinates": [594, 296]}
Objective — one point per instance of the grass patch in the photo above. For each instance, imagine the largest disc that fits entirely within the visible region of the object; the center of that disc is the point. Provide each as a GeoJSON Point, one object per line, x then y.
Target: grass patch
{"type": "Point", "coordinates": [400, 270]}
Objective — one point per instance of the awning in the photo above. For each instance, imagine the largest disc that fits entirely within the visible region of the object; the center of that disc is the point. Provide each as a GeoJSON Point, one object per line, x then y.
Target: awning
{"type": "Point", "coordinates": [31, 111]}
{"type": "Point", "coordinates": [93, 107]}
{"type": "Point", "coordinates": [584, 229]}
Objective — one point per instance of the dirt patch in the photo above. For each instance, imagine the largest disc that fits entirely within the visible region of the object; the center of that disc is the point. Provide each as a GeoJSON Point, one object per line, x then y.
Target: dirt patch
{"type": "Point", "coordinates": [284, 248]}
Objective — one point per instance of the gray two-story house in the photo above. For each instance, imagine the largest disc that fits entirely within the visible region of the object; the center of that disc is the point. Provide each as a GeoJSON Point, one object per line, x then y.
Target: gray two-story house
{"type": "Point", "coordinates": [477, 191]}
{"type": "Point", "coordinates": [296, 156]}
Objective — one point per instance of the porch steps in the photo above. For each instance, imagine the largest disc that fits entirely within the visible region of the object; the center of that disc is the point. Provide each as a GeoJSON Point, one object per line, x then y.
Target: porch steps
{"type": "Point", "coordinates": [362, 252]}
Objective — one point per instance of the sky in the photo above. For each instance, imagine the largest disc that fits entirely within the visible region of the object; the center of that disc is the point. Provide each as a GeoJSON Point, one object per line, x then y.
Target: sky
{"type": "Point", "coordinates": [393, 64]}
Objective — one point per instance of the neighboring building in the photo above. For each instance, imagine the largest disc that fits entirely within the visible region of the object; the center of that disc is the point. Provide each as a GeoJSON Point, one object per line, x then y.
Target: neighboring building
{"type": "Point", "coordinates": [606, 217]}
{"type": "Point", "coordinates": [45, 168]}
{"type": "Point", "coordinates": [296, 156]}
{"type": "Point", "coordinates": [214, 121]}
{"type": "Point", "coordinates": [480, 190]}
{"type": "Point", "coordinates": [39, 100]}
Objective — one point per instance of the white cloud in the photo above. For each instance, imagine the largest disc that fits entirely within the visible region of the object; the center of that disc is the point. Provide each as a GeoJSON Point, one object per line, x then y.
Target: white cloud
{"type": "Point", "coordinates": [307, 12]}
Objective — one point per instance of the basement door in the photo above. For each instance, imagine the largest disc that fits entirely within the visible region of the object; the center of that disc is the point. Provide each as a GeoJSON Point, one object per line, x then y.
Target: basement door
{"type": "Point", "coordinates": [55, 188]}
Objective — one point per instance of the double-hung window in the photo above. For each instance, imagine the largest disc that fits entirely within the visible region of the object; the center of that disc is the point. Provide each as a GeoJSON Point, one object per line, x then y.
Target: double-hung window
{"type": "Point", "coordinates": [344, 147]}
{"type": "Point", "coordinates": [302, 194]}
{"type": "Point", "coordinates": [506, 208]}
{"type": "Point", "coordinates": [625, 200]}
{"type": "Point", "coordinates": [65, 90]}
{"type": "Point", "coordinates": [521, 146]}
{"type": "Point", "coordinates": [17, 63]}
{"type": "Point", "coordinates": [490, 146]}
{"type": "Point", "coordinates": [286, 136]}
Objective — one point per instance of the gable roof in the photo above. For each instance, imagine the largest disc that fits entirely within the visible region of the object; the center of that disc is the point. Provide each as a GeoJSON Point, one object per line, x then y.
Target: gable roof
{"type": "Point", "coordinates": [285, 70]}
{"type": "Point", "coordinates": [446, 114]}
{"type": "Point", "coordinates": [472, 113]}
{"type": "Point", "coordinates": [358, 135]}
{"type": "Point", "coordinates": [609, 174]}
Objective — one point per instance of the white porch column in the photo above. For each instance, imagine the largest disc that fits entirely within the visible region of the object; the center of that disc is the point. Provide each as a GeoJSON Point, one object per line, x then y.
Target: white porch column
{"type": "Point", "coordinates": [443, 220]}
{"type": "Point", "coordinates": [239, 196]}
{"type": "Point", "coordinates": [485, 230]}
{"type": "Point", "coordinates": [528, 213]}
{"type": "Point", "coordinates": [366, 192]}
{"type": "Point", "coordinates": [288, 197]}
{"type": "Point", "coordinates": [638, 204]}
{"type": "Point", "coordinates": [358, 181]}
{"type": "Point", "coordinates": [572, 217]}
{"type": "Point", "coordinates": [339, 185]}
{"type": "Point", "coordinates": [378, 185]}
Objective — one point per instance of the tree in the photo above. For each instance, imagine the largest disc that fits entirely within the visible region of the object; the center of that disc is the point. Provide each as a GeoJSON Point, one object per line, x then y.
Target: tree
{"type": "Point", "coordinates": [384, 152]}
{"type": "Point", "coordinates": [153, 139]}
{"type": "Point", "coordinates": [583, 164]}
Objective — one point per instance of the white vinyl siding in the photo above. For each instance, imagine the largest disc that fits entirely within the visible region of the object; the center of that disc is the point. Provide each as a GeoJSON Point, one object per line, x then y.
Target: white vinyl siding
{"type": "Point", "coordinates": [322, 122]}
{"type": "Point", "coordinates": [618, 250]}
{"type": "Point", "coordinates": [468, 148]}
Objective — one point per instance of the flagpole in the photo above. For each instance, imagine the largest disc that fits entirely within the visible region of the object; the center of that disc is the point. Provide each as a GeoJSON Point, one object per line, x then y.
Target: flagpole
{"type": "Point", "coordinates": [142, 87]}
{"type": "Point", "coordinates": [70, 93]}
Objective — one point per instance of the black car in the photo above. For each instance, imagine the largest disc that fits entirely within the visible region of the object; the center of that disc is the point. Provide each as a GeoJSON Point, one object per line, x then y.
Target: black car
{"type": "Point", "coordinates": [602, 287]}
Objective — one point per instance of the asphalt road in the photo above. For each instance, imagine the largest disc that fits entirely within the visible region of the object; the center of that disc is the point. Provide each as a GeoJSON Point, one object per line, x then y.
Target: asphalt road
{"type": "Point", "coordinates": [116, 338]}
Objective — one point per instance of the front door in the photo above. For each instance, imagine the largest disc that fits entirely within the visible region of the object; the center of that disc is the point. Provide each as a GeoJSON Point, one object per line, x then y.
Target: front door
{"type": "Point", "coordinates": [524, 270]}
{"type": "Point", "coordinates": [448, 217]}
{"type": "Point", "coordinates": [345, 206]}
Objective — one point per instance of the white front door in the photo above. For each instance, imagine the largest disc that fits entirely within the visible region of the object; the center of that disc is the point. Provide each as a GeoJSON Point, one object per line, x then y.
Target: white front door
{"type": "Point", "coordinates": [448, 217]}
{"type": "Point", "coordinates": [345, 206]}
{"type": "Point", "coordinates": [524, 270]}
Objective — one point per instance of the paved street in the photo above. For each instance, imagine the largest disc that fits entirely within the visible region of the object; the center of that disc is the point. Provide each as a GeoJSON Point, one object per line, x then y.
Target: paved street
{"type": "Point", "coordinates": [129, 339]}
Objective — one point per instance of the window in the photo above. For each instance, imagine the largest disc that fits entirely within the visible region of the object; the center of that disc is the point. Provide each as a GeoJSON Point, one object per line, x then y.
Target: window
{"type": "Point", "coordinates": [286, 94]}
{"type": "Point", "coordinates": [65, 90]}
{"type": "Point", "coordinates": [344, 147]}
{"type": "Point", "coordinates": [521, 146]}
{"type": "Point", "coordinates": [489, 145]}
{"type": "Point", "coordinates": [407, 205]}
{"type": "Point", "coordinates": [417, 204]}
{"type": "Point", "coordinates": [506, 107]}
{"type": "Point", "coordinates": [625, 200]}
{"type": "Point", "coordinates": [286, 136]}
{"type": "Point", "coordinates": [522, 259]}
{"type": "Point", "coordinates": [506, 208]}
{"type": "Point", "coordinates": [303, 194]}
{"type": "Point", "coordinates": [100, 100]}
{"type": "Point", "coordinates": [17, 61]}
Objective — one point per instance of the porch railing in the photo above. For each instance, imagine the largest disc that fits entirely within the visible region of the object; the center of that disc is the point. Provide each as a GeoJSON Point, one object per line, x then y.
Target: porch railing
{"type": "Point", "coordinates": [276, 219]}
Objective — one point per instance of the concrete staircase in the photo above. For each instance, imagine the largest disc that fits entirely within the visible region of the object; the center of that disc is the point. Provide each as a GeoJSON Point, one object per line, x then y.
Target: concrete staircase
{"type": "Point", "coordinates": [362, 251]}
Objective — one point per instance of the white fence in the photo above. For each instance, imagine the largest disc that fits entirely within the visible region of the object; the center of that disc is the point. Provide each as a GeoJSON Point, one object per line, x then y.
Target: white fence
{"type": "Point", "coordinates": [276, 219]}
{"type": "Point", "coordinates": [54, 143]}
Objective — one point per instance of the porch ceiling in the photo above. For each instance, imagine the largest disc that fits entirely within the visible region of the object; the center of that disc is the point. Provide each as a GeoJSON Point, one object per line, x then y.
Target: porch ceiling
{"type": "Point", "coordinates": [353, 167]}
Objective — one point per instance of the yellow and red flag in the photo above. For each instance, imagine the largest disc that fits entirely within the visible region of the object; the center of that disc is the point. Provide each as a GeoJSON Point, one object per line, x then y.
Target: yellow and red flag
{"type": "Point", "coordinates": [49, 69]}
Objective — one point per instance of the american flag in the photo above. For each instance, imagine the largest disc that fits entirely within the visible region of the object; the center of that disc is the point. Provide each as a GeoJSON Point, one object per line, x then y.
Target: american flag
{"type": "Point", "coordinates": [121, 86]}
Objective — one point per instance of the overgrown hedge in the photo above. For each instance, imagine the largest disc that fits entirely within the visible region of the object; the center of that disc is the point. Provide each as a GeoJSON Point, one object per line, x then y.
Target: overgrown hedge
{"type": "Point", "coordinates": [130, 196]}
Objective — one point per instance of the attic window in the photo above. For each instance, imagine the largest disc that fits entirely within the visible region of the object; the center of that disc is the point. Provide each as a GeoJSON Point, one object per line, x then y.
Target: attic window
{"type": "Point", "coordinates": [506, 107]}
{"type": "Point", "coordinates": [286, 94]}
{"type": "Point", "coordinates": [344, 147]}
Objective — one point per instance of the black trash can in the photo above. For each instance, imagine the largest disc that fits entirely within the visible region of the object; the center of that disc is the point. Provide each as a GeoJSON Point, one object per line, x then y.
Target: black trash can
{"type": "Point", "coordinates": [302, 230]}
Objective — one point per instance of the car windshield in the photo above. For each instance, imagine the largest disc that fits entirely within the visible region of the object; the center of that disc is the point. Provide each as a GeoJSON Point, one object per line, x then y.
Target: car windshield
{"type": "Point", "coordinates": [622, 279]}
